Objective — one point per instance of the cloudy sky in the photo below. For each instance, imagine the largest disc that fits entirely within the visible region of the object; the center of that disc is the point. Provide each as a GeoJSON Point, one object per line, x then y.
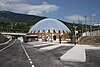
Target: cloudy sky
{"type": "Point", "coordinates": [67, 10]}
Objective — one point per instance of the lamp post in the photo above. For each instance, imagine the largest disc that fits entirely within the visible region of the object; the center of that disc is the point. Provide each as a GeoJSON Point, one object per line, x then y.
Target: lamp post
{"type": "Point", "coordinates": [75, 34]}
{"type": "Point", "coordinates": [91, 20]}
{"type": "Point", "coordinates": [59, 36]}
{"type": "Point", "coordinates": [85, 24]}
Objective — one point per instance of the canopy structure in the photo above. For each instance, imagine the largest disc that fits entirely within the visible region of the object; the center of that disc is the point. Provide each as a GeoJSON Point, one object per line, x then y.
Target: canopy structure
{"type": "Point", "coordinates": [49, 29]}
{"type": "Point", "coordinates": [49, 25]}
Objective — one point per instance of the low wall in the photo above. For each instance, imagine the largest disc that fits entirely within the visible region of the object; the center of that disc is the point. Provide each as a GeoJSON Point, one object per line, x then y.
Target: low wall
{"type": "Point", "coordinates": [4, 40]}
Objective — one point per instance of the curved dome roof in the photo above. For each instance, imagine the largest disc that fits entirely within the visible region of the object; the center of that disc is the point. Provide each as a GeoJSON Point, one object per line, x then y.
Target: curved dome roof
{"type": "Point", "coordinates": [49, 25]}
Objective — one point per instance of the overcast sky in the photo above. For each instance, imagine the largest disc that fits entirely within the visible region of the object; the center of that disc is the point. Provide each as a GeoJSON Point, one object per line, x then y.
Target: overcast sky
{"type": "Point", "coordinates": [67, 10]}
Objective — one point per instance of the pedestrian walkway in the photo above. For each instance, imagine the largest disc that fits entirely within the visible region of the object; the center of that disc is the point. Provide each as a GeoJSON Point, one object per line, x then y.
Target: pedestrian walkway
{"type": "Point", "coordinates": [55, 46]}
{"type": "Point", "coordinates": [77, 53]}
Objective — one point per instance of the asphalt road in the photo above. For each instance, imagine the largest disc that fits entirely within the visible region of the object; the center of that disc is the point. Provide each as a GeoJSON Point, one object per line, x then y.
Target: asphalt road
{"type": "Point", "coordinates": [24, 55]}
{"type": "Point", "coordinates": [14, 56]}
{"type": "Point", "coordinates": [42, 59]}
{"type": "Point", "coordinates": [4, 45]}
{"type": "Point", "coordinates": [21, 55]}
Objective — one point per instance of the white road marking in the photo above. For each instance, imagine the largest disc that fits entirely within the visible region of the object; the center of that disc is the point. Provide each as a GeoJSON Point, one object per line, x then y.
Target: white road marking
{"type": "Point", "coordinates": [27, 56]}
{"type": "Point", "coordinates": [7, 46]}
{"type": "Point", "coordinates": [31, 62]}
{"type": "Point", "coordinates": [29, 59]}
{"type": "Point", "coordinates": [33, 66]}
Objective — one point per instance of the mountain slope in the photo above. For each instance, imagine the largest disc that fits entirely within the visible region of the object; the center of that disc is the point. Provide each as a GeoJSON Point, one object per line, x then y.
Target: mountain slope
{"type": "Point", "coordinates": [10, 20]}
{"type": "Point", "coordinates": [16, 17]}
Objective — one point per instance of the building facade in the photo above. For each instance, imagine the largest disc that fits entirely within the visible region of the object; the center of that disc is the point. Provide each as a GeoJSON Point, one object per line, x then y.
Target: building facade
{"type": "Point", "coordinates": [50, 29]}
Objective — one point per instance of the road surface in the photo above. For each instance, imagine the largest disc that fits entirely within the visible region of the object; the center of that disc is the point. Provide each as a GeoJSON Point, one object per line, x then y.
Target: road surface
{"type": "Point", "coordinates": [17, 54]}
{"type": "Point", "coordinates": [20, 55]}
{"type": "Point", "coordinates": [14, 56]}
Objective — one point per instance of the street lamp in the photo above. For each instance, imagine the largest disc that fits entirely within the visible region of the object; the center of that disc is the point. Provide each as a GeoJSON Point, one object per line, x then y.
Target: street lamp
{"type": "Point", "coordinates": [59, 36]}
{"type": "Point", "coordinates": [91, 20]}
{"type": "Point", "coordinates": [75, 34]}
{"type": "Point", "coordinates": [85, 24]}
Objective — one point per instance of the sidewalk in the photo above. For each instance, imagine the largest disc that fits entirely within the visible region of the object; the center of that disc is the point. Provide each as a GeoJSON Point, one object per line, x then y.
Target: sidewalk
{"type": "Point", "coordinates": [77, 53]}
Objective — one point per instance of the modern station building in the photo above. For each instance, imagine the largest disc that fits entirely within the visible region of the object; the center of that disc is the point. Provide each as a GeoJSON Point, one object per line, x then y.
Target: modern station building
{"type": "Point", "coordinates": [48, 29]}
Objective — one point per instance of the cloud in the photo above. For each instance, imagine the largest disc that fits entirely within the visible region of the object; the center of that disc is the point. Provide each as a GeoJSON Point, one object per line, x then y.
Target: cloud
{"type": "Point", "coordinates": [92, 15]}
{"type": "Point", "coordinates": [43, 8]}
{"type": "Point", "coordinates": [6, 1]}
{"type": "Point", "coordinates": [2, 6]}
{"type": "Point", "coordinates": [75, 17]}
{"type": "Point", "coordinates": [26, 8]}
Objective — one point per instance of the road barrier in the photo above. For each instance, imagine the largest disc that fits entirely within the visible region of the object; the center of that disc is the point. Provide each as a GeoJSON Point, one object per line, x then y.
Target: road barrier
{"type": "Point", "coordinates": [6, 41]}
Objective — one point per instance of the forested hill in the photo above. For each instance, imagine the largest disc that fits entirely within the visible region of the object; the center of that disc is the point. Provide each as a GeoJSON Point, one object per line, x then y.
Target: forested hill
{"type": "Point", "coordinates": [15, 21]}
{"type": "Point", "coordinates": [6, 16]}
{"type": "Point", "coordinates": [16, 17]}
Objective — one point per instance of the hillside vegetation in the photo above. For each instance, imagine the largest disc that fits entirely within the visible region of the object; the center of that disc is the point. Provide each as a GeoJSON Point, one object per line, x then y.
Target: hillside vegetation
{"type": "Point", "coordinates": [15, 22]}
{"type": "Point", "coordinates": [16, 17]}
